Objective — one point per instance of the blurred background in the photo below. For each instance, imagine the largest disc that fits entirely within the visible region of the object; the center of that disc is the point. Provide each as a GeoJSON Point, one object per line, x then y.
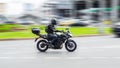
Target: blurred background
{"type": "Point", "coordinates": [83, 17]}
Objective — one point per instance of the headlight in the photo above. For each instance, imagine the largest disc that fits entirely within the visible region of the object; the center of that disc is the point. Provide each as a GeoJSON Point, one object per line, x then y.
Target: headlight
{"type": "Point", "coordinates": [70, 34]}
{"type": "Point", "coordinates": [117, 26]}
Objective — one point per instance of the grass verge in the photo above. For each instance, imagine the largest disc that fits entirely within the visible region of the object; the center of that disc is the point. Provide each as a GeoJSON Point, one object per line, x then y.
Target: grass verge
{"type": "Point", "coordinates": [76, 31]}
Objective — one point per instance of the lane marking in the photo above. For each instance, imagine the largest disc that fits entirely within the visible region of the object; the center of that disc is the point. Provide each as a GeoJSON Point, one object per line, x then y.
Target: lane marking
{"type": "Point", "coordinates": [80, 58]}
{"type": "Point", "coordinates": [52, 58]}
{"type": "Point", "coordinates": [17, 57]}
{"type": "Point", "coordinates": [60, 58]}
{"type": "Point", "coordinates": [99, 47]}
{"type": "Point", "coordinates": [99, 57]}
{"type": "Point", "coordinates": [5, 57]}
{"type": "Point", "coordinates": [76, 58]}
{"type": "Point", "coordinates": [15, 53]}
{"type": "Point", "coordinates": [116, 57]}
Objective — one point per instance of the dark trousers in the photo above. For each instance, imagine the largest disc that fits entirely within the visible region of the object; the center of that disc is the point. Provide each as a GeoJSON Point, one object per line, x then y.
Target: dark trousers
{"type": "Point", "coordinates": [52, 37]}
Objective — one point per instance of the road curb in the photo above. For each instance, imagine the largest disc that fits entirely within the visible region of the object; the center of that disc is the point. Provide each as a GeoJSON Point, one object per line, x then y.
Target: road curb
{"type": "Point", "coordinates": [93, 35]}
{"type": "Point", "coordinates": [34, 38]}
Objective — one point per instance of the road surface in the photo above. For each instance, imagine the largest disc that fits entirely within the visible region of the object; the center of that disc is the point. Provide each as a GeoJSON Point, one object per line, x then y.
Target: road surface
{"type": "Point", "coordinates": [92, 52]}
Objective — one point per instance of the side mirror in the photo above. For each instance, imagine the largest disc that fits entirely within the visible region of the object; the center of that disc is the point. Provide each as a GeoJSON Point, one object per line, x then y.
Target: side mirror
{"type": "Point", "coordinates": [67, 28]}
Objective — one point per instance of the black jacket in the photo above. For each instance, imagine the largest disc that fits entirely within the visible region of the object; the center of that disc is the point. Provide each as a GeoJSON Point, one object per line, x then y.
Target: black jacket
{"type": "Point", "coordinates": [50, 29]}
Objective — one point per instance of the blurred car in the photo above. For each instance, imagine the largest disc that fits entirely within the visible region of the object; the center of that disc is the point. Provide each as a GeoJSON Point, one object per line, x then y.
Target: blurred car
{"type": "Point", "coordinates": [88, 21]}
{"type": "Point", "coordinates": [10, 22]}
{"type": "Point", "coordinates": [77, 22]}
{"type": "Point", "coordinates": [25, 22]}
{"type": "Point", "coordinates": [44, 21]}
{"type": "Point", "coordinates": [64, 21]}
{"type": "Point", "coordinates": [80, 22]}
{"type": "Point", "coordinates": [116, 29]}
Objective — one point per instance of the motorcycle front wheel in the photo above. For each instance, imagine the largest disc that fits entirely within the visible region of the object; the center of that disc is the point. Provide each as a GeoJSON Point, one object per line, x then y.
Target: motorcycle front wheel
{"type": "Point", "coordinates": [42, 46]}
{"type": "Point", "coordinates": [70, 45]}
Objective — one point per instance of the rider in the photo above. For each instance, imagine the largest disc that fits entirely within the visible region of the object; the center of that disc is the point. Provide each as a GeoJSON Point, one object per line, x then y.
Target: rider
{"type": "Point", "coordinates": [50, 29]}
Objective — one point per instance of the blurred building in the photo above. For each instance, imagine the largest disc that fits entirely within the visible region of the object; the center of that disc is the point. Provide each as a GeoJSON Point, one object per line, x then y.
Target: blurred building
{"type": "Point", "coordinates": [9, 11]}
{"type": "Point", "coordinates": [2, 8]}
{"type": "Point", "coordinates": [72, 8]}
{"type": "Point", "coordinates": [15, 8]}
{"type": "Point", "coordinates": [2, 12]}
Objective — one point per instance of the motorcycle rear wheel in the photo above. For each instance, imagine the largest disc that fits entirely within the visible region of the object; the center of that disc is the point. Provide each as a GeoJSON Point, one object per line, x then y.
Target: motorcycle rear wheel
{"type": "Point", "coordinates": [42, 46]}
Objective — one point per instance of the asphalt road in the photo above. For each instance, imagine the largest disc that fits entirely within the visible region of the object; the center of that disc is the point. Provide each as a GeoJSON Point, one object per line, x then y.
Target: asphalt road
{"type": "Point", "coordinates": [92, 52]}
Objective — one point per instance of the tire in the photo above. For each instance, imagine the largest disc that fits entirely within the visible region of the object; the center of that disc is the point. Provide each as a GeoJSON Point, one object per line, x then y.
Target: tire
{"type": "Point", "coordinates": [42, 46]}
{"type": "Point", "coordinates": [118, 35]}
{"type": "Point", "coordinates": [68, 47]}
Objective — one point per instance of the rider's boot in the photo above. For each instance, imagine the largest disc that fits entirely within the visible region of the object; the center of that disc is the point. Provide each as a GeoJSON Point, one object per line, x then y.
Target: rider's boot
{"type": "Point", "coordinates": [51, 45]}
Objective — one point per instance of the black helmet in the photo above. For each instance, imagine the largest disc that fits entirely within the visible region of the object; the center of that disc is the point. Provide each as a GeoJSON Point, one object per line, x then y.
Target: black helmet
{"type": "Point", "coordinates": [53, 22]}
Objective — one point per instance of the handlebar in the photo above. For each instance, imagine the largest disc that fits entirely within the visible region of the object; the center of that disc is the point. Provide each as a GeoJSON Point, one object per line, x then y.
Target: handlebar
{"type": "Point", "coordinates": [60, 31]}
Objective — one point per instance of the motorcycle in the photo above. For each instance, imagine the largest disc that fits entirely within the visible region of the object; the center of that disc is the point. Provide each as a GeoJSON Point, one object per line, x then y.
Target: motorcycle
{"type": "Point", "coordinates": [63, 39]}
